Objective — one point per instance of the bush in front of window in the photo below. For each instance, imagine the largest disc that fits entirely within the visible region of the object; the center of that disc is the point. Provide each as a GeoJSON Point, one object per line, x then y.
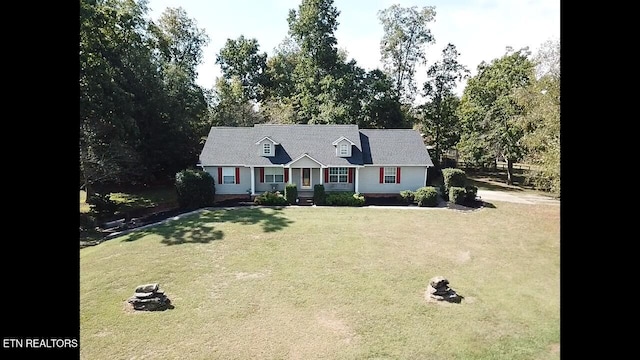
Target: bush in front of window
{"type": "Point", "coordinates": [195, 188]}
{"type": "Point", "coordinates": [271, 199]}
{"type": "Point", "coordinates": [291, 193]}
{"type": "Point", "coordinates": [407, 196]}
{"type": "Point", "coordinates": [319, 196]}
{"type": "Point", "coordinates": [345, 199]}
{"type": "Point", "coordinates": [426, 196]}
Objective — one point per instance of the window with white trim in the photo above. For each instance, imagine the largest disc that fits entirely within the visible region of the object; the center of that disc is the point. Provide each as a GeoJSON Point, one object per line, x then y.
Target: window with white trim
{"type": "Point", "coordinates": [338, 175]}
{"type": "Point", "coordinates": [273, 175]}
{"type": "Point", "coordinates": [228, 175]}
{"type": "Point", "coordinates": [344, 149]}
{"type": "Point", "coordinates": [267, 148]}
{"type": "Point", "coordinates": [390, 175]}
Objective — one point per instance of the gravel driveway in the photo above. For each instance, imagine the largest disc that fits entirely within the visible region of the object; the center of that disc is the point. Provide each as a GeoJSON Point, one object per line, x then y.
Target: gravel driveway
{"type": "Point", "coordinates": [516, 197]}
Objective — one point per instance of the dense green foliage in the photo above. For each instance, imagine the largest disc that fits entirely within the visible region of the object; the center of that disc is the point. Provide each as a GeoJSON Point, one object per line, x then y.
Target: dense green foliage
{"type": "Point", "coordinates": [101, 205]}
{"type": "Point", "coordinates": [195, 189]}
{"type": "Point", "coordinates": [141, 113]}
{"type": "Point", "coordinates": [490, 113]}
{"type": "Point", "coordinates": [457, 195]}
{"type": "Point", "coordinates": [426, 196]}
{"type": "Point", "coordinates": [319, 195]}
{"type": "Point", "coordinates": [345, 198]}
{"type": "Point", "coordinates": [142, 117]}
{"type": "Point", "coordinates": [452, 178]}
{"type": "Point", "coordinates": [270, 198]}
{"type": "Point", "coordinates": [291, 193]}
{"type": "Point", "coordinates": [407, 196]}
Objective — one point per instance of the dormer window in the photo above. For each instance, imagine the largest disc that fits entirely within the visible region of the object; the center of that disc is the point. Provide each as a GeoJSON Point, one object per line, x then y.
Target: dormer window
{"type": "Point", "coordinates": [267, 149]}
{"type": "Point", "coordinates": [266, 146]}
{"type": "Point", "coordinates": [343, 146]}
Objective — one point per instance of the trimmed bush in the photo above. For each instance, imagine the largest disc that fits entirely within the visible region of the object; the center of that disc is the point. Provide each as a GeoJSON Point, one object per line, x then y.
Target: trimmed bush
{"type": "Point", "coordinates": [345, 199]}
{"type": "Point", "coordinates": [457, 195]}
{"type": "Point", "coordinates": [291, 193]}
{"type": "Point", "coordinates": [319, 196]}
{"type": "Point", "coordinates": [271, 199]}
{"type": "Point", "coordinates": [102, 206]}
{"type": "Point", "coordinates": [407, 196]}
{"type": "Point", "coordinates": [426, 196]}
{"type": "Point", "coordinates": [195, 188]}
{"type": "Point", "coordinates": [452, 177]}
{"type": "Point", "coordinates": [471, 194]}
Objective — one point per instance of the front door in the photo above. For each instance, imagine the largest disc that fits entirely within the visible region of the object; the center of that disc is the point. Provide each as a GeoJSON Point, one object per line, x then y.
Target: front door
{"type": "Point", "coordinates": [306, 178]}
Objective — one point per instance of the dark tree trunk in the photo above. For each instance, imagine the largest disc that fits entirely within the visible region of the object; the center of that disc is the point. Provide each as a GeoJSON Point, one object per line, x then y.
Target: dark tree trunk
{"type": "Point", "coordinates": [509, 171]}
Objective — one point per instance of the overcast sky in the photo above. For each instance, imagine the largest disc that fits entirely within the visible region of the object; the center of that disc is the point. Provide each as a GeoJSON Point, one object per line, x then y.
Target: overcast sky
{"type": "Point", "coordinates": [480, 29]}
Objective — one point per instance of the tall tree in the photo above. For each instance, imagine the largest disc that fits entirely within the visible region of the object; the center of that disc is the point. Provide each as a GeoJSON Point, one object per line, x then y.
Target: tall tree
{"type": "Point", "coordinates": [172, 140]}
{"type": "Point", "coordinates": [402, 47]}
{"type": "Point", "coordinates": [381, 107]}
{"type": "Point", "coordinates": [312, 26]}
{"type": "Point", "coordinates": [114, 65]}
{"type": "Point", "coordinates": [241, 58]}
{"type": "Point", "coordinates": [541, 118]}
{"type": "Point", "coordinates": [232, 106]}
{"type": "Point", "coordinates": [439, 118]}
{"type": "Point", "coordinates": [490, 112]}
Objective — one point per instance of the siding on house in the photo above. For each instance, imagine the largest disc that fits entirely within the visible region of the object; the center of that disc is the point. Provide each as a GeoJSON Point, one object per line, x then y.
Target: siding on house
{"type": "Point", "coordinates": [411, 178]}
{"type": "Point", "coordinates": [225, 189]}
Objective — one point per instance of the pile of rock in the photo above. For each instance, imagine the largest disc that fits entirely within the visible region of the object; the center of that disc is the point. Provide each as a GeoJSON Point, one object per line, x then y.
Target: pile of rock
{"type": "Point", "coordinates": [149, 297]}
{"type": "Point", "coordinates": [439, 290]}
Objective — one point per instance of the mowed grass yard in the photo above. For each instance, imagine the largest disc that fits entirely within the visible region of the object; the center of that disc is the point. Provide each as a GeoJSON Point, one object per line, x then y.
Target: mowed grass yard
{"type": "Point", "coordinates": [330, 283]}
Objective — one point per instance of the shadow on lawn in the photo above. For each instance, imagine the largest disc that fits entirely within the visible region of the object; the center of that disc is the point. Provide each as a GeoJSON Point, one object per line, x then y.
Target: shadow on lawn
{"type": "Point", "coordinates": [200, 228]}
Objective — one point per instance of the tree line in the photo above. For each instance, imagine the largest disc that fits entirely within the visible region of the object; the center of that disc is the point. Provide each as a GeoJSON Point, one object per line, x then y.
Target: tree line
{"type": "Point", "coordinates": [144, 117]}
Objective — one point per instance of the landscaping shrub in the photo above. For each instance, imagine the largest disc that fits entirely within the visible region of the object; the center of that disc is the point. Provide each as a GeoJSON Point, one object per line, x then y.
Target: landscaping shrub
{"type": "Point", "coordinates": [471, 193]}
{"type": "Point", "coordinates": [195, 189]}
{"type": "Point", "coordinates": [457, 195]}
{"type": "Point", "coordinates": [407, 196]}
{"type": "Point", "coordinates": [452, 177]}
{"type": "Point", "coordinates": [319, 196]}
{"type": "Point", "coordinates": [426, 196]}
{"type": "Point", "coordinates": [271, 199]}
{"type": "Point", "coordinates": [291, 193]}
{"type": "Point", "coordinates": [344, 199]}
{"type": "Point", "coordinates": [102, 206]}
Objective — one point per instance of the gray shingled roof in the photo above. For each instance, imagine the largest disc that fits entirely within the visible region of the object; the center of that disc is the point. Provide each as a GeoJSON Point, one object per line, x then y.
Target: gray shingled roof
{"type": "Point", "coordinates": [394, 147]}
{"type": "Point", "coordinates": [237, 145]}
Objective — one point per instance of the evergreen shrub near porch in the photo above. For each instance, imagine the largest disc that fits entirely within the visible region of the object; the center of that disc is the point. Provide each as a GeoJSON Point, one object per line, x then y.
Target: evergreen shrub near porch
{"type": "Point", "coordinates": [291, 193]}
{"type": "Point", "coordinates": [319, 196]}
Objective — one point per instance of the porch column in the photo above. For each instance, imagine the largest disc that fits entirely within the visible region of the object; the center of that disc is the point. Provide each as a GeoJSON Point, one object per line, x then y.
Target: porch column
{"type": "Point", "coordinates": [426, 170]}
{"type": "Point", "coordinates": [253, 180]}
{"type": "Point", "coordinates": [290, 175]}
{"type": "Point", "coordinates": [357, 179]}
{"type": "Point", "coordinates": [321, 175]}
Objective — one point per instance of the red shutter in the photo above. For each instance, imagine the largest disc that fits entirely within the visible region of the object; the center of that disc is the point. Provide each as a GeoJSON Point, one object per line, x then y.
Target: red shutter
{"type": "Point", "coordinates": [261, 174]}
{"type": "Point", "coordinates": [286, 175]}
{"type": "Point", "coordinates": [398, 175]}
{"type": "Point", "coordinates": [350, 175]}
{"type": "Point", "coordinates": [381, 175]}
{"type": "Point", "coordinates": [237, 175]}
{"type": "Point", "coordinates": [326, 175]}
{"type": "Point", "coordinates": [219, 175]}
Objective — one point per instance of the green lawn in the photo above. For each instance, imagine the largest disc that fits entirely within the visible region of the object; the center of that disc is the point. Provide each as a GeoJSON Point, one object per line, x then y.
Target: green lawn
{"type": "Point", "coordinates": [330, 283]}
